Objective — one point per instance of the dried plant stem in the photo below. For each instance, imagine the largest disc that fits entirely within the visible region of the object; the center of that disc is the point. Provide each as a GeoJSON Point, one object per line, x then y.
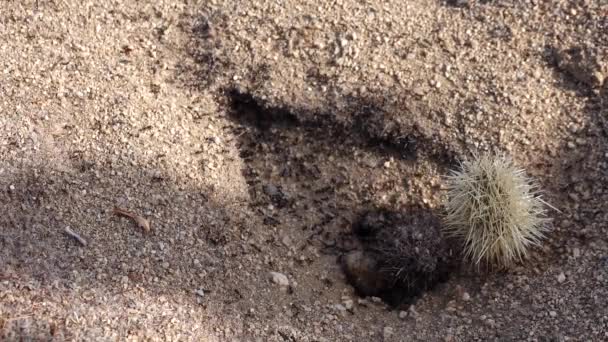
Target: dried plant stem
{"type": "Point", "coordinates": [75, 236]}
{"type": "Point", "coordinates": [141, 222]}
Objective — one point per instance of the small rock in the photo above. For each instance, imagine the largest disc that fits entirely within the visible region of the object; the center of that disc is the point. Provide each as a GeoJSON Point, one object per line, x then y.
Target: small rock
{"type": "Point", "coordinates": [552, 313]}
{"type": "Point", "coordinates": [376, 300]}
{"type": "Point", "coordinates": [576, 253]}
{"type": "Point", "coordinates": [279, 279]}
{"type": "Point", "coordinates": [270, 190]}
{"type": "Point", "coordinates": [362, 302]}
{"type": "Point", "coordinates": [339, 307]}
{"type": "Point", "coordinates": [199, 293]}
{"type": "Point", "coordinates": [561, 278]}
{"type": "Point", "coordinates": [348, 303]}
{"type": "Point", "coordinates": [574, 197]}
{"type": "Point", "coordinates": [286, 241]}
{"type": "Point", "coordinates": [403, 314]}
{"type": "Point", "coordinates": [420, 91]}
{"type": "Point", "coordinates": [412, 311]}
{"type": "Point", "coordinates": [466, 297]}
{"type": "Point", "coordinates": [388, 332]}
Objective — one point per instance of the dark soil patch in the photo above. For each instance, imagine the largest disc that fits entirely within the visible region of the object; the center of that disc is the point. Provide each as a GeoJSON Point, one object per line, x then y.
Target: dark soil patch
{"type": "Point", "coordinates": [369, 123]}
{"type": "Point", "coordinates": [403, 255]}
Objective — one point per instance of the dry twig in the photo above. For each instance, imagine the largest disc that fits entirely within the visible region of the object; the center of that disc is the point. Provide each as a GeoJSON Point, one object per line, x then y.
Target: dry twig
{"type": "Point", "coordinates": [141, 222]}
{"type": "Point", "coordinates": [68, 231]}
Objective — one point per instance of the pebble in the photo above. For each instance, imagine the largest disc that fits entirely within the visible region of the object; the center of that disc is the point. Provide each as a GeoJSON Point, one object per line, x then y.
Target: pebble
{"type": "Point", "coordinates": [412, 311]}
{"type": "Point", "coordinates": [286, 241]}
{"type": "Point", "coordinates": [561, 278]}
{"type": "Point", "coordinates": [403, 314]}
{"type": "Point", "coordinates": [552, 313]}
{"type": "Point", "coordinates": [466, 296]}
{"type": "Point", "coordinates": [339, 307]}
{"type": "Point", "coordinates": [576, 253]}
{"type": "Point", "coordinates": [362, 302]}
{"type": "Point", "coordinates": [279, 278]}
{"type": "Point", "coordinates": [376, 300]}
{"type": "Point", "coordinates": [270, 190]}
{"type": "Point", "coordinates": [388, 332]}
{"type": "Point", "coordinates": [348, 303]}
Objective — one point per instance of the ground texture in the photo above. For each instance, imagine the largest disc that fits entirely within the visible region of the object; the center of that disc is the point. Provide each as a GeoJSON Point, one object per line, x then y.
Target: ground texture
{"type": "Point", "coordinates": [252, 134]}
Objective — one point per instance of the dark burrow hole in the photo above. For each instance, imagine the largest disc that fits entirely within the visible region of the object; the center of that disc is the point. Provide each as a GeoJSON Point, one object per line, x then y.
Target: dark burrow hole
{"type": "Point", "coordinates": [402, 255]}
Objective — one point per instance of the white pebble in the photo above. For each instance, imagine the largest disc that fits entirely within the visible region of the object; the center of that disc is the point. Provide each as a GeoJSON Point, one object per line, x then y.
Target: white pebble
{"type": "Point", "coordinates": [388, 332]}
{"type": "Point", "coordinates": [279, 278]}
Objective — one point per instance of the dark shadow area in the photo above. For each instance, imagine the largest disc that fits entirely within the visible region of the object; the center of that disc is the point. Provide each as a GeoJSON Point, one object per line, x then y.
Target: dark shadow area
{"type": "Point", "coordinates": [305, 165]}
{"type": "Point", "coordinates": [581, 160]}
{"type": "Point", "coordinates": [369, 125]}
{"type": "Point", "coordinates": [195, 244]}
{"type": "Point", "coordinates": [582, 164]}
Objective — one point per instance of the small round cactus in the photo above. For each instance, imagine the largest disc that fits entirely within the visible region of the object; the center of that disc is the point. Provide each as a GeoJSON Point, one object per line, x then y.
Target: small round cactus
{"type": "Point", "coordinates": [495, 209]}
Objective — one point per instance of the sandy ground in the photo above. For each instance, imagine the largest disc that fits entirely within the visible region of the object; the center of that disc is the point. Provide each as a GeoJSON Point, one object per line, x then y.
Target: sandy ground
{"type": "Point", "coordinates": [252, 133]}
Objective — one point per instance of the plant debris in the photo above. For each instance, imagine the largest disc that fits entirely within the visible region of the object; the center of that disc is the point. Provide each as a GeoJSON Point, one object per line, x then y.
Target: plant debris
{"type": "Point", "coordinates": [68, 231]}
{"type": "Point", "coordinates": [141, 221]}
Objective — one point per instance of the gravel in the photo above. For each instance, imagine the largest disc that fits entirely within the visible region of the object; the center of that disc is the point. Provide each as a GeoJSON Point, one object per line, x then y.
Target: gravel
{"type": "Point", "coordinates": [344, 106]}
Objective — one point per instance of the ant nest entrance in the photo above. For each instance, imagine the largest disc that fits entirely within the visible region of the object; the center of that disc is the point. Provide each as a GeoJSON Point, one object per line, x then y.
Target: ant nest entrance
{"type": "Point", "coordinates": [402, 255]}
